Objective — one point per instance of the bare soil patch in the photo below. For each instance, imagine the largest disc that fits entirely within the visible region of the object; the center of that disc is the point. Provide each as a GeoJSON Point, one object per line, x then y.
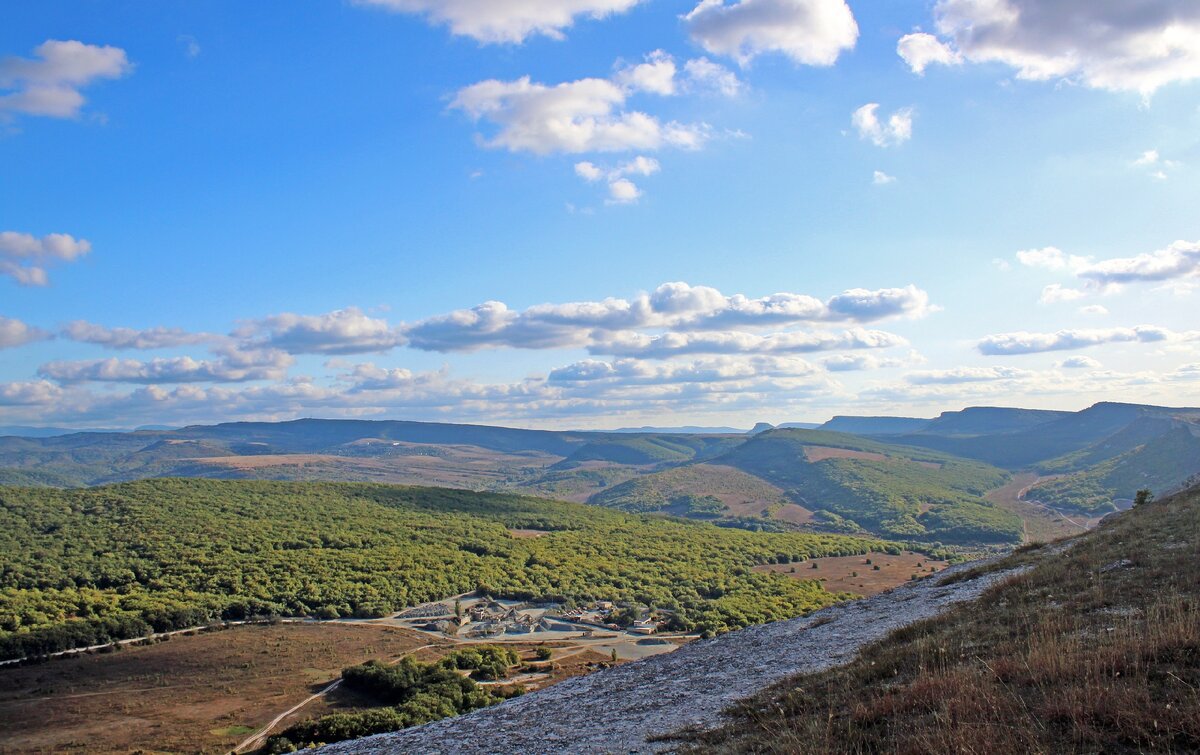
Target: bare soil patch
{"type": "Point", "coordinates": [854, 575]}
{"type": "Point", "coordinates": [527, 534]}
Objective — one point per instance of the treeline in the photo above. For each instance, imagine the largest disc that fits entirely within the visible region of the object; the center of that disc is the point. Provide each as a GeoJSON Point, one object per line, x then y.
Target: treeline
{"type": "Point", "coordinates": [414, 693]}
{"type": "Point", "coordinates": [83, 567]}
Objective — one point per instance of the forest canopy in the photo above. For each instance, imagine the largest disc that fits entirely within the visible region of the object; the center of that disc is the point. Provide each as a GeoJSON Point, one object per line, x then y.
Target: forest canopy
{"type": "Point", "coordinates": [83, 567]}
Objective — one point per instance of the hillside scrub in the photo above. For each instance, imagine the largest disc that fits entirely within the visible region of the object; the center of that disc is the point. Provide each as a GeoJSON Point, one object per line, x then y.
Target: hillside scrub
{"type": "Point", "coordinates": [84, 567]}
{"type": "Point", "coordinates": [1093, 649]}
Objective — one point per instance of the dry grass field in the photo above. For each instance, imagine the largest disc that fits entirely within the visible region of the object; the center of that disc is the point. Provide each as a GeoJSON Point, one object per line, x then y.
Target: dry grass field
{"type": "Point", "coordinates": [201, 693]}
{"type": "Point", "coordinates": [857, 574]}
{"type": "Point", "coordinates": [1096, 648]}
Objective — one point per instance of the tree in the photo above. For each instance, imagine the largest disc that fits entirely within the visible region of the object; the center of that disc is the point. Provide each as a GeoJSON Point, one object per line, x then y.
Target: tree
{"type": "Point", "coordinates": [1143, 496]}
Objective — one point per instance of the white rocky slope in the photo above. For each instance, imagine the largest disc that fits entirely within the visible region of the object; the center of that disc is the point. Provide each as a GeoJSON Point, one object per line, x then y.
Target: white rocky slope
{"type": "Point", "coordinates": [616, 710]}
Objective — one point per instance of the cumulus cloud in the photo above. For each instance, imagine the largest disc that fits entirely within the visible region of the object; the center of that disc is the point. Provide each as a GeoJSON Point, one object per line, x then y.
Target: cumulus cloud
{"type": "Point", "coordinates": [623, 191]}
{"type": "Point", "coordinates": [882, 179]}
{"type": "Point", "coordinates": [921, 50]}
{"type": "Point", "coordinates": [48, 84]}
{"type": "Point", "coordinates": [1022, 342]}
{"type": "Point", "coordinates": [1131, 45]}
{"type": "Point", "coordinates": [656, 75]}
{"type": "Point", "coordinates": [233, 366]}
{"type": "Point", "coordinates": [498, 21]}
{"type": "Point", "coordinates": [39, 393]}
{"type": "Point", "coordinates": [810, 32]}
{"type": "Point", "coordinates": [896, 130]}
{"type": "Point", "coordinates": [16, 333]}
{"type": "Point", "coordinates": [573, 117]}
{"type": "Point", "coordinates": [23, 256]}
{"type": "Point", "coordinates": [344, 331]}
{"type": "Point", "coordinates": [675, 305]}
{"type": "Point", "coordinates": [130, 338]}
{"type": "Point", "coordinates": [1179, 260]}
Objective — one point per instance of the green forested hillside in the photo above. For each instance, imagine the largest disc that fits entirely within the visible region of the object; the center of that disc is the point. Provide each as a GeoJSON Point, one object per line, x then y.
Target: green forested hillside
{"type": "Point", "coordinates": [82, 566]}
{"type": "Point", "coordinates": [1162, 465]}
{"type": "Point", "coordinates": [896, 491]}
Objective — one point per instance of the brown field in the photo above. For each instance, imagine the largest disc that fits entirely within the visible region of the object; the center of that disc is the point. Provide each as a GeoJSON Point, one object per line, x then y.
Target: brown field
{"type": "Point", "coordinates": [837, 572]}
{"type": "Point", "coordinates": [202, 693]}
{"type": "Point", "coordinates": [1041, 524]}
{"type": "Point", "coordinates": [526, 534]}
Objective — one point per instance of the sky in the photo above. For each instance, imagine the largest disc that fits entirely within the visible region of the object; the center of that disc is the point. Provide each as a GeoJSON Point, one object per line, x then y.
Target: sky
{"type": "Point", "coordinates": [595, 213]}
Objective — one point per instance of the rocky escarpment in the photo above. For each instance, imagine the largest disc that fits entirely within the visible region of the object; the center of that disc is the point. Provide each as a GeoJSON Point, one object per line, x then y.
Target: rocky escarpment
{"type": "Point", "coordinates": [619, 710]}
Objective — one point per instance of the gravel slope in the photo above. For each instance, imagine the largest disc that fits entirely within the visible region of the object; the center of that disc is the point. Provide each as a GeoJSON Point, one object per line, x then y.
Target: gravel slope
{"type": "Point", "coordinates": [617, 709]}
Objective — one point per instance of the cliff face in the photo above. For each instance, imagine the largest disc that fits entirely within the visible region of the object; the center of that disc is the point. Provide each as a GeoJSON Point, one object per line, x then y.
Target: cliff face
{"type": "Point", "coordinates": [620, 710]}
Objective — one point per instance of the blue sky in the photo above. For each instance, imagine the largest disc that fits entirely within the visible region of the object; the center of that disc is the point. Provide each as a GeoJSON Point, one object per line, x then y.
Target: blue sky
{"type": "Point", "coordinates": [215, 211]}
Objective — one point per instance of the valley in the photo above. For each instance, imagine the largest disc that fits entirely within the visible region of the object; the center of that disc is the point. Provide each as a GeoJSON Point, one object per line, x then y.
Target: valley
{"type": "Point", "coordinates": [315, 534]}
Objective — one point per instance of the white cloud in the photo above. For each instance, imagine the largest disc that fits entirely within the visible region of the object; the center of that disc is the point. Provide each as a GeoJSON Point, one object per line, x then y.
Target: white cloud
{"type": "Point", "coordinates": [1052, 258]}
{"type": "Point", "coordinates": [920, 50]}
{"type": "Point", "coordinates": [857, 362]}
{"type": "Point", "coordinates": [588, 171]}
{"type": "Point", "coordinates": [16, 333]}
{"type": "Point", "coordinates": [23, 256]}
{"type": "Point", "coordinates": [656, 75]}
{"type": "Point", "coordinates": [703, 74]}
{"type": "Point", "coordinates": [1153, 162]}
{"type": "Point", "coordinates": [882, 179]}
{"type": "Point", "coordinates": [1118, 45]}
{"type": "Point", "coordinates": [1056, 293]}
{"type": "Point", "coordinates": [965, 375]}
{"type": "Point", "coordinates": [37, 394]}
{"type": "Point", "coordinates": [344, 331]}
{"type": "Point", "coordinates": [1179, 260]}
{"type": "Point", "coordinates": [810, 32]}
{"type": "Point", "coordinates": [130, 338]}
{"type": "Point", "coordinates": [620, 189]}
{"type": "Point", "coordinates": [1079, 363]}
{"type": "Point", "coordinates": [48, 84]}
{"type": "Point", "coordinates": [496, 21]}
{"type": "Point", "coordinates": [897, 129]}
{"type": "Point", "coordinates": [573, 117]}
{"type": "Point", "coordinates": [1023, 342]}
{"type": "Point", "coordinates": [667, 345]}
{"type": "Point", "coordinates": [675, 305]}
{"type": "Point", "coordinates": [623, 191]}
{"type": "Point", "coordinates": [232, 367]}
{"type": "Point", "coordinates": [1093, 309]}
